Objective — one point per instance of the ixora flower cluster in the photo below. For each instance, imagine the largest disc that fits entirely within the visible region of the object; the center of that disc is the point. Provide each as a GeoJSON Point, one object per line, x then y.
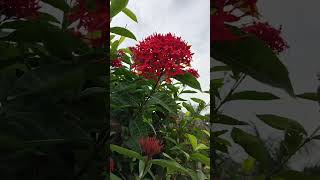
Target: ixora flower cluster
{"type": "Point", "coordinates": [162, 56]}
{"type": "Point", "coordinates": [224, 13]}
{"type": "Point", "coordinates": [150, 146]}
{"type": "Point", "coordinates": [19, 8]}
{"type": "Point", "coordinates": [93, 23]}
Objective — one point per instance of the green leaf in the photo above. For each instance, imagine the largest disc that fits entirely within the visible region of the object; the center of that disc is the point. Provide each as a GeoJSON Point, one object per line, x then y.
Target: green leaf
{"type": "Point", "coordinates": [126, 152]}
{"type": "Point", "coordinates": [281, 123]}
{"type": "Point", "coordinates": [114, 177]}
{"type": "Point", "coordinates": [173, 165]}
{"type": "Point", "coordinates": [199, 101]}
{"type": "Point", "coordinates": [251, 56]}
{"type": "Point", "coordinates": [189, 80]}
{"type": "Point", "coordinates": [220, 68]}
{"type": "Point", "coordinates": [188, 107]}
{"type": "Point", "coordinates": [193, 141]}
{"type": "Point", "coordinates": [130, 14]}
{"type": "Point", "coordinates": [201, 147]}
{"type": "Point", "coordinates": [248, 165]}
{"type": "Point", "coordinates": [117, 6]}
{"type": "Point", "coordinates": [47, 17]}
{"type": "Point", "coordinates": [252, 95]}
{"type": "Point", "coordinates": [187, 91]}
{"type": "Point", "coordinates": [309, 96]}
{"type": "Point", "coordinates": [60, 4]}
{"type": "Point", "coordinates": [253, 146]}
{"type": "Point", "coordinates": [224, 119]}
{"type": "Point", "coordinates": [200, 157]}
{"type": "Point", "coordinates": [122, 32]}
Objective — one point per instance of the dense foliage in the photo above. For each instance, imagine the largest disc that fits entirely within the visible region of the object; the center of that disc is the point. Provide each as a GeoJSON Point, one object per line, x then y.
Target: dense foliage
{"type": "Point", "coordinates": [251, 50]}
{"type": "Point", "coordinates": [151, 136]}
{"type": "Point", "coordinates": [52, 90]}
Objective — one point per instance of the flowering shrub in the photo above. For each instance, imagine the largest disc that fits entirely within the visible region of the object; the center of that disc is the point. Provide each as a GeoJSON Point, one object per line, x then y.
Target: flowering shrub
{"type": "Point", "coordinates": [146, 106]}
{"type": "Point", "coordinates": [93, 24]}
{"type": "Point", "coordinates": [162, 55]}
{"type": "Point", "coordinates": [250, 50]}
{"type": "Point", "coordinates": [52, 91]}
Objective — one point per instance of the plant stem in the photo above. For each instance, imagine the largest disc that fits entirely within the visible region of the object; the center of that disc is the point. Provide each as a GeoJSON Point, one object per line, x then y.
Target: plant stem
{"type": "Point", "coordinates": [213, 152]}
{"type": "Point", "coordinates": [278, 168]}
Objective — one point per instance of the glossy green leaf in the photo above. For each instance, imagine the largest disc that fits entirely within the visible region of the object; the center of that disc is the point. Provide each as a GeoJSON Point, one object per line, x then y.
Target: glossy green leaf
{"type": "Point", "coordinates": [188, 107]}
{"type": "Point", "coordinates": [251, 56]}
{"type": "Point", "coordinates": [117, 6]}
{"type": "Point", "coordinates": [130, 14]}
{"type": "Point", "coordinates": [252, 95]}
{"type": "Point", "coordinates": [225, 119]}
{"type": "Point", "coordinates": [173, 165]}
{"type": "Point", "coordinates": [200, 157]}
{"type": "Point", "coordinates": [126, 152]}
{"type": "Point", "coordinates": [189, 80]}
{"type": "Point", "coordinates": [281, 123]}
{"type": "Point", "coordinates": [309, 96]}
{"type": "Point", "coordinates": [123, 32]}
{"type": "Point", "coordinates": [193, 141]}
{"type": "Point", "coordinates": [253, 146]}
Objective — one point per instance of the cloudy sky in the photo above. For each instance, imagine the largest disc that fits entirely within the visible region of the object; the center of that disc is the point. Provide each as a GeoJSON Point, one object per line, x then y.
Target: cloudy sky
{"type": "Point", "coordinates": [188, 19]}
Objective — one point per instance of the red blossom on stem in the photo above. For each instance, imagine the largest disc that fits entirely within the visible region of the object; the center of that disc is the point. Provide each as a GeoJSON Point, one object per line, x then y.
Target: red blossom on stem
{"type": "Point", "coordinates": [95, 23]}
{"type": "Point", "coordinates": [219, 30]}
{"type": "Point", "coordinates": [117, 63]}
{"type": "Point", "coordinates": [268, 34]}
{"type": "Point", "coordinates": [161, 55]}
{"type": "Point", "coordinates": [150, 146]}
{"type": "Point", "coordinates": [19, 8]}
{"type": "Point", "coordinates": [111, 165]}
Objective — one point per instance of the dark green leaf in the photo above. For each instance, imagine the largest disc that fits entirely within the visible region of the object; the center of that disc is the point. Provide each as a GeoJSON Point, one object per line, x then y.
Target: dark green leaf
{"type": "Point", "coordinates": [253, 146]}
{"type": "Point", "coordinates": [252, 95]}
{"type": "Point", "coordinates": [281, 123]}
{"type": "Point", "coordinates": [200, 157]}
{"type": "Point", "coordinates": [189, 80]}
{"type": "Point", "coordinates": [123, 32]}
{"type": "Point", "coordinates": [117, 6]}
{"type": "Point", "coordinates": [224, 119]}
{"type": "Point", "coordinates": [309, 96]}
{"type": "Point", "coordinates": [130, 14]}
{"type": "Point", "coordinates": [125, 152]}
{"type": "Point", "coordinates": [251, 56]}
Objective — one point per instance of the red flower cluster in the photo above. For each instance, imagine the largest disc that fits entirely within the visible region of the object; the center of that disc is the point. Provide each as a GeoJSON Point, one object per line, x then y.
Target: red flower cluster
{"type": "Point", "coordinates": [19, 8]}
{"type": "Point", "coordinates": [111, 165]}
{"type": "Point", "coordinates": [93, 23]}
{"type": "Point", "coordinates": [150, 146]}
{"type": "Point", "coordinates": [268, 34]}
{"type": "Point", "coordinates": [161, 55]}
{"type": "Point", "coordinates": [117, 63]}
{"type": "Point", "coordinates": [219, 31]}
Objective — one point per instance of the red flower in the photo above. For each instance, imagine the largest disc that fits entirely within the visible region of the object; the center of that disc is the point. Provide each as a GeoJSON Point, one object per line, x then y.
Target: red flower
{"type": "Point", "coordinates": [161, 55]}
{"type": "Point", "coordinates": [117, 63]}
{"type": "Point", "coordinates": [268, 34]}
{"type": "Point", "coordinates": [219, 31]}
{"type": "Point", "coordinates": [19, 8]}
{"type": "Point", "coordinates": [95, 23]}
{"type": "Point", "coordinates": [111, 165]}
{"type": "Point", "coordinates": [193, 72]}
{"type": "Point", "coordinates": [150, 146]}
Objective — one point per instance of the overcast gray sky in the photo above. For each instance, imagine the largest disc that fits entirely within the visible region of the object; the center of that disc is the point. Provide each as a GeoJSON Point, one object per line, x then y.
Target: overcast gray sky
{"type": "Point", "coordinates": [188, 19]}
